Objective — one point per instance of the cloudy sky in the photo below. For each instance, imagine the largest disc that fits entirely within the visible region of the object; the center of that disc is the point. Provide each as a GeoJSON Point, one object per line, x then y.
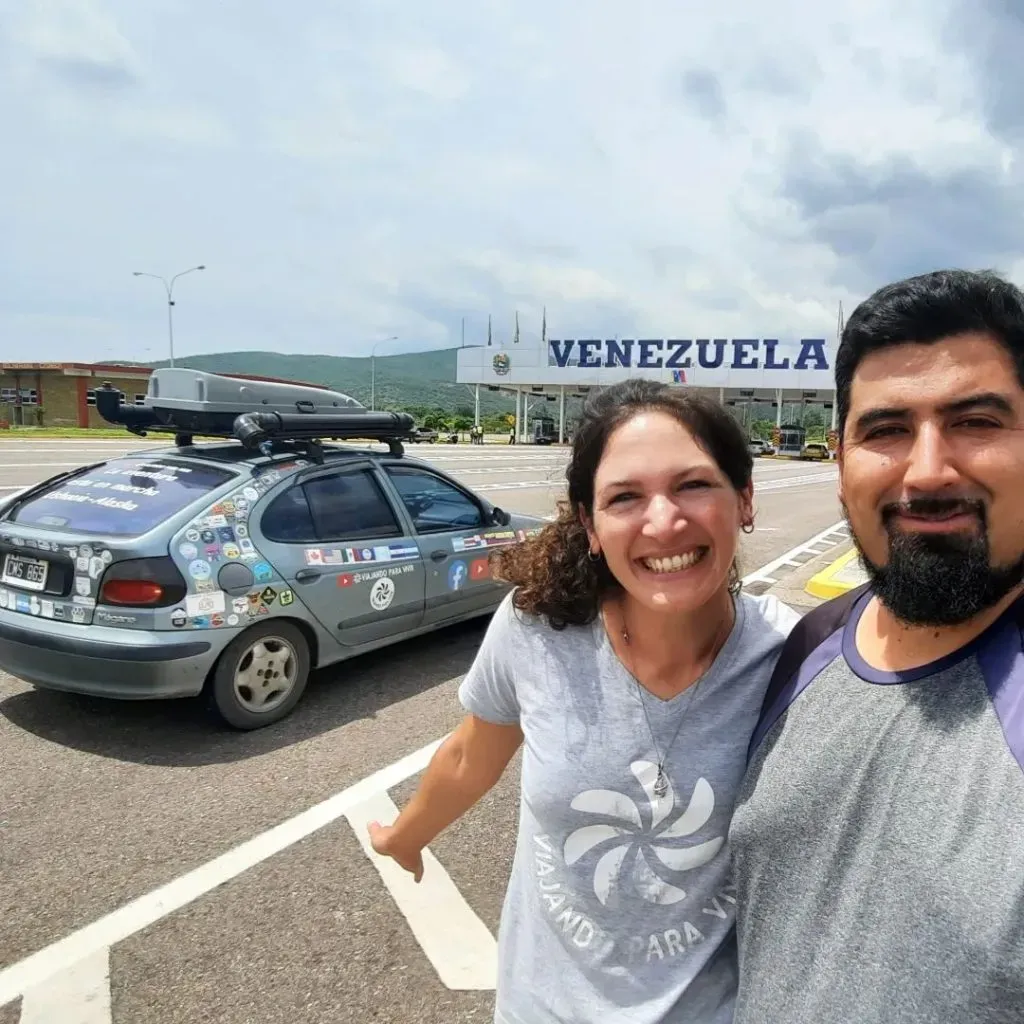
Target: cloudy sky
{"type": "Point", "coordinates": [352, 171]}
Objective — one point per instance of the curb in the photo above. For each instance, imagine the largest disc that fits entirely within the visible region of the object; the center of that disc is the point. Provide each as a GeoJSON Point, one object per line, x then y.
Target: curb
{"type": "Point", "coordinates": [841, 576]}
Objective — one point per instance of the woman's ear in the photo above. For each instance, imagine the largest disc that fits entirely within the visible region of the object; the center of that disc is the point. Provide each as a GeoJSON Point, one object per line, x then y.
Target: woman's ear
{"type": "Point", "coordinates": [747, 505]}
{"type": "Point", "coordinates": [589, 527]}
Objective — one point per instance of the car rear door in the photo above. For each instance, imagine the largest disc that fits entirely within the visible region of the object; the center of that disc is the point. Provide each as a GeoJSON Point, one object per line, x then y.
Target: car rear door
{"type": "Point", "coordinates": [451, 529]}
{"type": "Point", "coordinates": [339, 542]}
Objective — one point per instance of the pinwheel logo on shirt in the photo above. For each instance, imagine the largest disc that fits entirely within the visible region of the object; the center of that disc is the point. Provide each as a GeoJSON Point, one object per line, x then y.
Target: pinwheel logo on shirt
{"type": "Point", "coordinates": [643, 850]}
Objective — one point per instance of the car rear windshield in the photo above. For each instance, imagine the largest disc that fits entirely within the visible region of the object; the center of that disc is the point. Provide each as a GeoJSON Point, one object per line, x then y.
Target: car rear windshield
{"type": "Point", "coordinates": [122, 498]}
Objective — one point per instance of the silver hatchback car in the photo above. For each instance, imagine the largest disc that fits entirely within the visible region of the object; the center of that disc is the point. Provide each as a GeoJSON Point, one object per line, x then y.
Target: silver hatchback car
{"type": "Point", "coordinates": [233, 569]}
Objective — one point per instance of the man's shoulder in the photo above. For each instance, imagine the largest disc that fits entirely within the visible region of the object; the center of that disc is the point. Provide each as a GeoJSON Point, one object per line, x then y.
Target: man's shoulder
{"type": "Point", "coordinates": [814, 642]}
{"type": "Point", "coordinates": [816, 626]}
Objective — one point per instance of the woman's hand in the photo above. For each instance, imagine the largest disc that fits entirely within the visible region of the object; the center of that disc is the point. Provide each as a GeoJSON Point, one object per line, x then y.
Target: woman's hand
{"type": "Point", "coordinates": [383, 839]}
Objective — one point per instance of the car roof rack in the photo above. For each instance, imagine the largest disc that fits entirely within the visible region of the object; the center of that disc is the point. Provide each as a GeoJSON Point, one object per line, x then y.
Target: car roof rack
{"type": "Point", "coordinates": [265, 416]}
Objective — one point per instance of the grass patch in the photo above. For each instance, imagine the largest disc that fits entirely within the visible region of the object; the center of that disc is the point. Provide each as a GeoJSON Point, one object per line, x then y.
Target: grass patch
{"type": "Point", "coordinates": [34, 433]}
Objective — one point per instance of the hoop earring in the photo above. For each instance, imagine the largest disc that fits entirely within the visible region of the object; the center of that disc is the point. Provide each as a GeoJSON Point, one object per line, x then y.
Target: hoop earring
{"type": "Point", "coordinates": [748, 527]}
{"type": "Point", "coordinates": [594, 556]}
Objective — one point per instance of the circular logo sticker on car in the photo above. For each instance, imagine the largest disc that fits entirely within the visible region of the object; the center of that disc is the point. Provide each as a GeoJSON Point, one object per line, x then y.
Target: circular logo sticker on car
{"type": "Point", "coordinates": [382, 594]}
{"type": "Point", "coordinates": [199, 569]}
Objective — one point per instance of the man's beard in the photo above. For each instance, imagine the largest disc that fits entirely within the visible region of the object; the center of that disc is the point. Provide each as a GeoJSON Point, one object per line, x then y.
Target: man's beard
{"type": "Point", "coordinates": [939, 579]}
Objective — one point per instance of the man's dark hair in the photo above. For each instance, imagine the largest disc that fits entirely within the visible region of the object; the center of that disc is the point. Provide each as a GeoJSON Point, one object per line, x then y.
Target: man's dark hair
{"type": "Point", "coordinates": [926, 309]}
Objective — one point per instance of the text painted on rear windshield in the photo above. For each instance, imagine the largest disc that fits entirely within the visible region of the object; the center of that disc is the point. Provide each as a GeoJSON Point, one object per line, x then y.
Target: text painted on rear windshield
{"type": "Point", "coordinates": [124, 498]}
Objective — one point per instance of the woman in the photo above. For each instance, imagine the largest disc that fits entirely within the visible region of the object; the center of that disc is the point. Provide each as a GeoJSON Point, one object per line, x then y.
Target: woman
{"type": "Point", "coordinates": [633, 667]}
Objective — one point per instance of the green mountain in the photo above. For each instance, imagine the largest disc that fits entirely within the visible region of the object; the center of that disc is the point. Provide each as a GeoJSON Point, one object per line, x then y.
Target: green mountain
{"type": "Point", "coordinates": [415, 381]}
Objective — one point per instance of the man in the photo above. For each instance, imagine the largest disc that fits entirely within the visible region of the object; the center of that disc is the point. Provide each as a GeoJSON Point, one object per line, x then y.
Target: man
{"type": "Point", "coordinates": [879, 837]}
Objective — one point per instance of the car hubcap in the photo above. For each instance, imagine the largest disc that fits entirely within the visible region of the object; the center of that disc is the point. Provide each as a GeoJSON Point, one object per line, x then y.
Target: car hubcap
{"type": "Point", "coordinates": [266, 674]}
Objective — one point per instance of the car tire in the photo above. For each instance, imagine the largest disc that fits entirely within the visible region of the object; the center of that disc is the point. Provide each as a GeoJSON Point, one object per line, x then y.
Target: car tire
{"type": "Point", "coordinates": [276, 647]}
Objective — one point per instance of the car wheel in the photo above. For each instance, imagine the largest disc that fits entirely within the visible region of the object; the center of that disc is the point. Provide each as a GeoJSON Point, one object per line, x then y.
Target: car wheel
{"type": "Point", "coordinates": [261, 676]}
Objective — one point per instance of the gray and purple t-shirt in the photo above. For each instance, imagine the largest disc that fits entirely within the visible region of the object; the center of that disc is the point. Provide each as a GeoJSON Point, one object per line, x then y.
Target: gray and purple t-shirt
{"type": "Point", "coordinates": [620, 905]}
{"type": "Point", "coordinates": [878, 840]}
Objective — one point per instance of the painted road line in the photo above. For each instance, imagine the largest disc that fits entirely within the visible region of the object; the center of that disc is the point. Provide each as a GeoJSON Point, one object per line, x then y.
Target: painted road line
{"type": "Point", "coordinates": [140, 913]}
{"type": "Point", "coordinates": [456, 942]}
{"type": "Point", "coordinates": [33, 465]}
{"type": "Point", "coordinates": [843, 575]}
{"type": "Point", "coordinates": [80, 994]}
{"type": "Point", "coordinates": [835, 534]}
{"type": "Point", "coordinates": [783, 483]}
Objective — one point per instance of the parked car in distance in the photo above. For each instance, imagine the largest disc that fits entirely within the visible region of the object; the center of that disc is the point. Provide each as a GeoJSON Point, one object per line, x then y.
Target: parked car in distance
{"type": "Point", "coordinates": [233, 568]}
{"type": "Point", "coordinates": [427, 434]}
{"type": "Point", "coordinates": [817, 451]}
{"type": "Point", "coordinates": [758, 447]}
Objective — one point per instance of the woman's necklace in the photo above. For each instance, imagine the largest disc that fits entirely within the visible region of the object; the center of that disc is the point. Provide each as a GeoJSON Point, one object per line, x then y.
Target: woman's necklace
{"type": "Point", "coordinates": [661, 779]}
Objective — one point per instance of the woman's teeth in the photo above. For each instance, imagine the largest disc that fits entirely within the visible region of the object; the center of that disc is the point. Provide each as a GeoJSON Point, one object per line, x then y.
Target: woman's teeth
{"type": "Point", "coordinates": [676, 563]}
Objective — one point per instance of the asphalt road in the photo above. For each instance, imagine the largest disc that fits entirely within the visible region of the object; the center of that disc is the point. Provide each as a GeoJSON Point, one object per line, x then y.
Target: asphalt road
{"type": "Point", "coordinates": [101, 803]}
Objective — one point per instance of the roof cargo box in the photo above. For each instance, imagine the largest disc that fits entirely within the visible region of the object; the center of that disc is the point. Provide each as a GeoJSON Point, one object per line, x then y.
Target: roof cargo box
{"type": "Point", "coordinates": [197, 391]}
{"type": "Point", "coordinates": [189, 402]}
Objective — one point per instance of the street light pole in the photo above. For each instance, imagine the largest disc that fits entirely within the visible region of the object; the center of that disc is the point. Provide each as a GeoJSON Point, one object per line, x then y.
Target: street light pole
{"type": "Point", "coordinates": [373, 369]}
{"type": "Point", "coordinates": [169, 288]}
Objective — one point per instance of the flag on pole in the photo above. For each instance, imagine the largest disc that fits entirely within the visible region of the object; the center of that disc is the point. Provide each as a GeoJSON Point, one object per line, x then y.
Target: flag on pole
{"type": "Point", "coordinates": [544, 326]}
{"type": "Point", "coordinates": [488, 328]}
{"type": "Point", "coordinates": [515, 340]}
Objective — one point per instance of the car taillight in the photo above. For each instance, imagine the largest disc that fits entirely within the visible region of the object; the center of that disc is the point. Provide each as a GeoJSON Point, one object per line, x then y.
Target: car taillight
{"type": "Point", "coordinates": [142, 583]}
{"type": "Point", "coordinates": [131, 592]}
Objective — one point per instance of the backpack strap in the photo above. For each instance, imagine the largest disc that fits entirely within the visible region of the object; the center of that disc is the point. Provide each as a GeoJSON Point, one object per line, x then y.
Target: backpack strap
{"type": "Point", "coordinates": [807, 636]}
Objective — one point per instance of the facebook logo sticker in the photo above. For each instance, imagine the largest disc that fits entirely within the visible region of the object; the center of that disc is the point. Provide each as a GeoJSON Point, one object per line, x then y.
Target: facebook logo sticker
{"type": "Point", "coordinates": [457, 575]}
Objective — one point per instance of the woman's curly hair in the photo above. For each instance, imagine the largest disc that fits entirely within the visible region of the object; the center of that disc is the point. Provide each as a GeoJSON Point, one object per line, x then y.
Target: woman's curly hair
{"type": "Point", "coordinates": [552, 572]}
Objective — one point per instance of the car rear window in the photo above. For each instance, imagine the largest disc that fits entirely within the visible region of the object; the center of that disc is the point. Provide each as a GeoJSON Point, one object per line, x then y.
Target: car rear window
{"type": "Point", "coordinates": [122, 498]}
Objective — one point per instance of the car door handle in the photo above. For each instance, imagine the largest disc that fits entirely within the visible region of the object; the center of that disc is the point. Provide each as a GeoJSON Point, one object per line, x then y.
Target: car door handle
{"type": "Point", "coordinates": [438, 556]}
{"type": "Point", "coordinates": [308, 575]}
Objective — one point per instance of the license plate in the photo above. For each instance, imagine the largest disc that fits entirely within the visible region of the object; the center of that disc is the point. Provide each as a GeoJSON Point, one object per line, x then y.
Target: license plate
{"type": "Point", "coordinates": [27, 573]}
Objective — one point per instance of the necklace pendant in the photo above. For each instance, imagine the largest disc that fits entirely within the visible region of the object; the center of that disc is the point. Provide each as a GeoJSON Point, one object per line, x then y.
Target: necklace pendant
{"type": "Point", "coordinates": [660, 783]}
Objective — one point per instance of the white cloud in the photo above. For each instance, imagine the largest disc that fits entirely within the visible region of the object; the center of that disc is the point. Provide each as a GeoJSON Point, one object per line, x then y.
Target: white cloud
{"type": "Point", "coordinates": [351, 172]}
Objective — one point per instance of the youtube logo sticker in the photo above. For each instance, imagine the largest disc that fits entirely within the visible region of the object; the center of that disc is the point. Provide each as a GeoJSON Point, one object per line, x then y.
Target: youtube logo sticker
{"type": "Point", "coordinates": [480, 569]}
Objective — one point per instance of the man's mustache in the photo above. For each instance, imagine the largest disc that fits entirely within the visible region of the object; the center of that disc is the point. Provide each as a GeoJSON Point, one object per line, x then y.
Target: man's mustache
{"type": "Point", "coordinates": [934, 506]}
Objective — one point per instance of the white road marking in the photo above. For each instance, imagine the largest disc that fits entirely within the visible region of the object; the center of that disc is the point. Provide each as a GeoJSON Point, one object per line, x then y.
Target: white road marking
{"type": "Point", "coordinates": [782, 484]}
{"type": "Point", "coordinates": [79, 994]}
{"type": "Point", "coordinates": [140, 913]}
{"type": "Point", "coordinates": [33, 465]}
{"type": "Point", "coordinates": [456, 942]}
{"type": "Point", "coordinates": [835, 534]}
{"type": "Point", "coordinates": [96, 939]}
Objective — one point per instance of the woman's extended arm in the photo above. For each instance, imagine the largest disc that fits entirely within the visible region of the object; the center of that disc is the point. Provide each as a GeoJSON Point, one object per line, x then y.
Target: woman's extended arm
{"type": "Point", "coordinates": [462, 770]}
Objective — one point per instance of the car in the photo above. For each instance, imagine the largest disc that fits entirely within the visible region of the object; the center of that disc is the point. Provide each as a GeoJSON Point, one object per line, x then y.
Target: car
{"type": "Point", "coordinates": [232, 568]}
{"type": "Point", "coordinates": [758, 447]}
{"type": "Point", "coordinates": [815, 450]}
{"type": "Point", "coordinates": [427, 434]}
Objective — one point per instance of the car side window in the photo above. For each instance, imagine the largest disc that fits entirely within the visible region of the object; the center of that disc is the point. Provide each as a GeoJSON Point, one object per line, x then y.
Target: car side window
{"type": "Point", "coordinates": [288, 520]}
{"type": "Point", "coordinates": [434, 505]}
{"type": "Point", "coordinates": [340, 506]}
{"type": "Point", "coordinates": [350, 506]}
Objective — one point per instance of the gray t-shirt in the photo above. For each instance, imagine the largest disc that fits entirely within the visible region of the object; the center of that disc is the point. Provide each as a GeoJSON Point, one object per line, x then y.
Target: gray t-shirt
{"type": "Point", "coordinates": [878, 840]}
{"type": "Point", "coordinates": [620, 906]}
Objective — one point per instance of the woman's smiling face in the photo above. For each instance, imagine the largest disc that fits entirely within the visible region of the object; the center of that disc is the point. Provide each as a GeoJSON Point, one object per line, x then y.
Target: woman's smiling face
{"type": "Point", "coordinates": [665, 518]}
